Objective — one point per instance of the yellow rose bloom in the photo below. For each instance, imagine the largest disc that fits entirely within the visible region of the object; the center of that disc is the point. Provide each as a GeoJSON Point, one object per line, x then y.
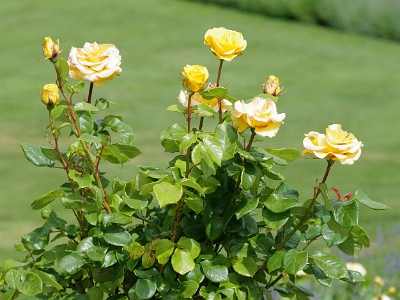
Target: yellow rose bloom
{"type": "Point", "coordinates": [95, 62]}
{"type": "Point", "coordinates": [271, 86]}
{"type": "Point", "coordinates": [259, 114]}
{"type": "Point", "coordinates": [336, 144]}
{"type": "Point", "coordinates": [50, 94]}
{"type": "Point", "coordinates": [197, 99]}
{"type": "Point", "coordinates": [195, 77]}
{"type": "Point", "coordinates": [50, 49]}
{"type": "Point", "coordinates": [224, 43]}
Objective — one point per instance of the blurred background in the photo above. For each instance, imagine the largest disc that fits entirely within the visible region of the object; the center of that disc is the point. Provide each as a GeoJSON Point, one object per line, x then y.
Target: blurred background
{"type": "Point", "coordinates": [337, 64]}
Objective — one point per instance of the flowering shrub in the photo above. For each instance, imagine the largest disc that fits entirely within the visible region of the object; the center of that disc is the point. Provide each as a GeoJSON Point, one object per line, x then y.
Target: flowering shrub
{"type": "Point", "coordinates": [218, 223]}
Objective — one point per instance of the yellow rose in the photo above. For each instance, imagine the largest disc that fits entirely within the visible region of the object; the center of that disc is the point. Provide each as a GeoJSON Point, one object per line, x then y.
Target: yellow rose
{"type": "Point", "coordinates": [224, 43]}
{"type": "Point", "coordinates": [197, 99]}
{"type": "Point", "coordinates": [259, 114]}
{"type": "Point", "coordinates": [195, 77]}
{"type": "Point", "coordinates": [336, 144]}
{"type": "Point", "coordinates": [271, 86]}
{"type": "Point", "coordinates": [50, 49]}
{"type": "Point", "coordinates": [50, 94]}
{"type": "Point", "coordinates": [95, 62]}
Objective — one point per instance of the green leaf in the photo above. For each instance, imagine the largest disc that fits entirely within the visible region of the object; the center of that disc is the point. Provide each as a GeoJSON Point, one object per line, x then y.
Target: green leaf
{"type": "Point", "coordinates": [190, 245]}
{"type": "Point", "coordinates": [84, 106]}
{"type": "Point", "coordinates": [332, 266]}
{"type": "Point", "coordinates": [116, 218]}
{"type": "Point", "coordinates": [145, 288]}
{"type": "Point", "coordinates": [214, 148]}
{"type": "Point", "coordinates": [273, 220]}
{"type": "Point", "coordinates": [331, 237]}
{"type": "Point", "coordinates": [188, 288]}
{"type": "Point", "coordinates": [295, 261]}
{"type": "Point", "coordinates": [325, 196]}
{"type": "Point", "coordinates": [187, 140]}
{"type": "Point", "coordinates": [245, 206]}
{"type": "Point", "coordinates": [346, 213]}
{"type": "Point", "coordinates": [95, 293]}
{"type": "Point", "coordinates": [46, 199]}
{"type": "Point", "coordinates": [216, 92]}
{"type": "Point", "coordinates": [321, 277]}
{"type": "Point", "coordinates": [31, 285]}
{"type": "Point", "coordinates": [249, 176]}
{"type": "Point", "coordinates": [63, 67]}
{"type": "Point", "coordinates": [12, 277]}
{"type": "Point", "coordinates": [196, 274]}
{"type": "Point", "coordinates": [351, 246]}
{"type": "Point", "coordinates": [275, 261]}
{"type": "Point", "coordinates": [245, 266]}
{"type": "Point", "coordinates": [85, 122]}
{"type": "Point", "coordinates": [57, 111]}
{"type": "Point", "coordinates": [283, 198]}
{"type": "Point", "coordinates": [288, 154]}
{"type": "Point", "coordinates": [361, 236]}
{"type": "Point", "coordinates": [164, 250]}
{"type": "Point", "coordinates": [182, 261]}
{"type": "Point", "coordinates": [90, 138]}
{"type": "Point", "coordinates": [71, 263]}
{"type": "Point", "coordinates": [37, 239]}
{"type": "Point", "coordinates": [364, 199]}
{"type": "Point", "coordinates": [192, 184]}
{"type": "Point", "coordinates": [83, 181]}
{"type": "Point", "coordinates": [116, 235]}
{"type": "Point", "coordinates": [205, 110]}
{"type": "Point", "coordinates": [167, 193]}
{"type": "Point", "coordinates": [35, 155]}
{"type": "Point", "coordinates": [214, 272]}
{"type": "Point", "coordinates": [125, 132]}
{"type": "Point", "coordinates": [47, 279]}
{"type": "Point", "coordinates": [227, 136]}
{"type": "Point", "coordinates": [174, 132]}
{"type": "Point", "coordinates": [214, 226]}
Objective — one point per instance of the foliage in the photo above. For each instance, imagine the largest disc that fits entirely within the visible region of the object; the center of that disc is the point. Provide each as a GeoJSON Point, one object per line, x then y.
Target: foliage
{"type": "Point", "coordinates": [372, 17]}
{"type": "Point", "coordinates": [219, 222]}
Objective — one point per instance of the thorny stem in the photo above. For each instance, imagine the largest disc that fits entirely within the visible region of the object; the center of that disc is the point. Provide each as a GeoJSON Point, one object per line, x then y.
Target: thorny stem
{"type": "Point", "coordinates": [78, 133]}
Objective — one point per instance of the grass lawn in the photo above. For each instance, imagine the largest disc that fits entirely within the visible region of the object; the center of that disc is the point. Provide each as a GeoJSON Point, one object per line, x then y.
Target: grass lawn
{"type": "Point", "coordinates": [330, 77]}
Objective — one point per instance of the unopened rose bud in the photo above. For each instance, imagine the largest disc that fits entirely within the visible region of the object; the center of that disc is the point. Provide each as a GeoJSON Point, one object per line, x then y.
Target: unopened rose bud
{"type": "Point", "coordinates": [271, 86]}
{"type": "Point", "coordinates": [51, 49]}
{"type": "Point", "coordinates": [195, 77]}
{"type": "Point", "coordinates": [50, 94]}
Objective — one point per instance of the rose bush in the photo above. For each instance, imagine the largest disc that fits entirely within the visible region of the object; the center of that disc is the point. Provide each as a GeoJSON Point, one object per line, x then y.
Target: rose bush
{"type": "Point", "coordinates": [219, 222]}
{"type": "Point", "coordinates": [94, 62]}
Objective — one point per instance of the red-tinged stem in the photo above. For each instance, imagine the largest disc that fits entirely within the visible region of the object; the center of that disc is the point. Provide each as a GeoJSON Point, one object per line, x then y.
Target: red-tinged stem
{"type": "Point", "coordinates": [89, 100]}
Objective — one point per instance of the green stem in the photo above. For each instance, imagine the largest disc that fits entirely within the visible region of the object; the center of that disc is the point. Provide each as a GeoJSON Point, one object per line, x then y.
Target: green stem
{"type": "Point", "coordinates": [253, 134]}
{"type": "Point", "coordinates": [221, 62]}
{"type": "Point", "coordinates": [308, 213]}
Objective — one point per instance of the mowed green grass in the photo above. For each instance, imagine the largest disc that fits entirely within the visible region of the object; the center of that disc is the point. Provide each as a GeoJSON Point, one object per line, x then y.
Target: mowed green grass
{"type": "Point", "coordinates": [330, 77]}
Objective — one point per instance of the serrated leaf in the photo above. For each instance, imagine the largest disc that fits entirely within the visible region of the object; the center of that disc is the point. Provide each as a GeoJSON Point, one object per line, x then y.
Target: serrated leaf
{"type": "Point", "coordinates": [125, 132]}
{"type": "Point", "coordinates": [164, 250]}
{"type": "Point", "coordinates": [182, 261]}
{"type": "Point", "coordinates": [116, 218]}
{"type": "Point", "coordinates": [245, 206]}
{"type": "Point", "coordinates": [325, 196]}
{"type": "Point", "coordinates": [332, 266]}
{"type": "Point", "coordinates": [145, 288]}
{"type": "Point", "coordinates": [83, 181]}
{"type": "Point", "coordinates": [167, 193]}
{"type": "Point", "coordinates": [245, 266]}
{"type": "Point", "coordinates": [85, 122]}
{"type": "Point", "coordinates": [273, 220]}
{"type": "Point", "coordinates": [189, 244]}
{"type": "Point", "coordinates": [84, 106]}
{"type": "Point", "coordinates": [216, 92]}
{"type": "Point", "coordinates": [35, 155]}
{"type": "Point", "coordinates": [187, 140]}
{"type": "Point", "coordinates": [63, 67]}
{"type": "Point", "coordinates": [31, 285]}
{"type": "Point", "coordinates": [346, 213]}
{"type": "Point", "coordinates": [46, 199]}
{"type": "Point", "coordinates": [47, 279]}
{"type": "Point", "coordinates": [275, 261]}
{"type": "Point", "coordinates": [116, 235]}
{"type": "Point", "coordinates": [288, 154]}
{"type": "Point", "coordinates": [248, 176]}
{"type": "Point", "coordinates": [37, 239]}
{"type": "Point", "coordinates": [295, 261]}
{"type": "Point", "coordinates": [227, 136]}
{"type": "Point", "coordinates": [188, 288]}
{"type": "Point", "coordinates": [364, 199]}
{"type": "Point", "coordinates": [57, 111]}
{"type": "Point", "coordinates": [214, 272]}
{"type": "Point", "coordinates": [214, 148]}
{"type": "Point", "coordinates": [71, 263]}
